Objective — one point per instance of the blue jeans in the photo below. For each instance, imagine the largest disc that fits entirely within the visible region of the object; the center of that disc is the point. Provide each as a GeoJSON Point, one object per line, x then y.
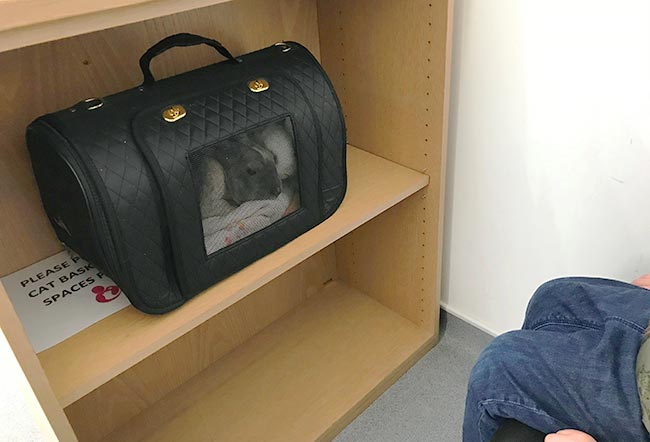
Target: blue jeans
{"type": "Point", "coordinates": [571, 366]}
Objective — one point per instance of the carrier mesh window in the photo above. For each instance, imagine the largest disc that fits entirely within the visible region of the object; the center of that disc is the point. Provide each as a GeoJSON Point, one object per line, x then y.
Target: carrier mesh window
{"type": "Point", "coordinates": [246, 183]}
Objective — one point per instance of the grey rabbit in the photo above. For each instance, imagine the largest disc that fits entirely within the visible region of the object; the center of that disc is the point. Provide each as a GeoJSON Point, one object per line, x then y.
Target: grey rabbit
{"type": "Point", "coordinates": [249, 170]}
{"type": "Point", "coordinates": [212, 188]}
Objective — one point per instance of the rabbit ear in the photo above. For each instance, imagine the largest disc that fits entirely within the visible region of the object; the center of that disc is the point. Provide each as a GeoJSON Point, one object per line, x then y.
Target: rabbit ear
{"type": "Point", "coordinates": [281, 144]}
{"type": "Point", "coordinates": [266, 154]}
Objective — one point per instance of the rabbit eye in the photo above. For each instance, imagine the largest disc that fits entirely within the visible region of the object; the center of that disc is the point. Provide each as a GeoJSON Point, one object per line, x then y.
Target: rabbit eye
{"type": "Point", "coordinates": [250, 171]}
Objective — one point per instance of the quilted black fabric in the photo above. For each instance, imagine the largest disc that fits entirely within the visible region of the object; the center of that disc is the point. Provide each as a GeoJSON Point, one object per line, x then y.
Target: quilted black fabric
{"type": "Point", "coordinates": [134, 169]}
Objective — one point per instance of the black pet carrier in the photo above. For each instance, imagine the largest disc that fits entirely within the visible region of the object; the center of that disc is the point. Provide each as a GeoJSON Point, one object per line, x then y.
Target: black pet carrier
{"type": "Point", "coordinates": [174, 185]}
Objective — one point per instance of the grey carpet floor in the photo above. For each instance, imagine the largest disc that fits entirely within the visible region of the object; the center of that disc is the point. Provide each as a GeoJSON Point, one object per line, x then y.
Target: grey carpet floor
{"type": "Point", "coordinates": [426, 404]}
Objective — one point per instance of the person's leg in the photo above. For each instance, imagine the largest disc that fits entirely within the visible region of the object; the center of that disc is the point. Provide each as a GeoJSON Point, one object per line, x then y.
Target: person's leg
{"type": "Point", "coordinates": [498, 389]}
{"type": "Point", "coordinates": [586, 302]}
{"type": "Point", "coordinates": [550, 380]}
{"type": "Point", "coordinates": [572, 366]}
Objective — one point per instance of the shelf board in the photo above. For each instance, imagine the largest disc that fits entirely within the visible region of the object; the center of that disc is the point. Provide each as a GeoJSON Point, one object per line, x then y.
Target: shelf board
{"type": "Point", "coordinates": [28, 22]}
{"type": "Point", "coordinates": [302, 378]}
{"type": "Point", "coordinates": [78, 365]}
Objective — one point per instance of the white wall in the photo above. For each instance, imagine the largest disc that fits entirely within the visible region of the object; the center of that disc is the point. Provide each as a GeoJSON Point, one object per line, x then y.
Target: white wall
{"type": "Point", "coordinates": [549, 150]}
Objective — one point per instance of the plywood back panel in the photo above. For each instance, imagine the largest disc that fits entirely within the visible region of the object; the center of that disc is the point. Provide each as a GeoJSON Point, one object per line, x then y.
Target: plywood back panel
{"type": "Point", "coordinates": [114, 403]}
{"type": "Point", "coordinates": [52, 76]}
{"type": "Point", "coordinates": [389, 63]}
{"type": "Point", "coordinates": [391, 266]}
{"type": "Point", "coordinates": [387, 60]}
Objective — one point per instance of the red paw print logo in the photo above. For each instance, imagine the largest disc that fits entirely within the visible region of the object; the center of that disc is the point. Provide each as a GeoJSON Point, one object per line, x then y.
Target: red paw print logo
{"type": "Point", "coordinates": [105, 294]}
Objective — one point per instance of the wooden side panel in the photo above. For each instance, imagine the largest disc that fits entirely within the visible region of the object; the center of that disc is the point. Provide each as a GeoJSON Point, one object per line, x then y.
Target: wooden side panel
{"type": "Point", "coordinates": [389, 63]}
{"type": "Point", "coordinates": [114, 403]}
{"type": "Point", "coordinates": [15, 334]}
{"type": "Point", "coordinates": [52, 76]}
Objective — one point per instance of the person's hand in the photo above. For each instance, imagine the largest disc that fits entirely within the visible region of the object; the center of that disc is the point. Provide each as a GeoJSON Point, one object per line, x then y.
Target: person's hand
{"type": "Point", "coordinates": [569, 436]}
{"type": "Point", "coordinates": [643, 281]}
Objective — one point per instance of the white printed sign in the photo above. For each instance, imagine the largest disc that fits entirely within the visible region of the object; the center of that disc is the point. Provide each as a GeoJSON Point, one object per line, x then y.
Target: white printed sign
{"type": "Point", "coordinates": [60, 296]}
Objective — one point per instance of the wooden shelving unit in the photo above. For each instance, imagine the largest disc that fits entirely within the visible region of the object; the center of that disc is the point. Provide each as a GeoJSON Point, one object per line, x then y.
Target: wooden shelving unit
{"type": "Point", "coordinates": [87, 360]}
{"type": "Point", "coordinates": [294, 346]}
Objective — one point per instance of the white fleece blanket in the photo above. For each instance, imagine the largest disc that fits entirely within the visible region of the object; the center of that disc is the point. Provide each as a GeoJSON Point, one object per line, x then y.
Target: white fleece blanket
{"type": "Point", "coordinates": [248, 218]}
{"type": "Point", "coordinates": [224, 223]}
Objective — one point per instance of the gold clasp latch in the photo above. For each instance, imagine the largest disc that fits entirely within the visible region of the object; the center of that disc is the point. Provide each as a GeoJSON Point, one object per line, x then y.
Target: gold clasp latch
{"type": "Point", "coordinates": [174, 113]}
{"type": "Point", "coordinates": [93, 103]}
{"type": "Point", "coordinates": [259, 85]}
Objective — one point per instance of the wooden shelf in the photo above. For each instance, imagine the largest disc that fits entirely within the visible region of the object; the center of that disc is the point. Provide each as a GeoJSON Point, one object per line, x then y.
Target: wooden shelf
{"type": "Point", "coordinates": [302, 378]}
{"type": "Point", "coordinates": [94, 356]}
{"type": "Point", "coordinates": [28, 22]}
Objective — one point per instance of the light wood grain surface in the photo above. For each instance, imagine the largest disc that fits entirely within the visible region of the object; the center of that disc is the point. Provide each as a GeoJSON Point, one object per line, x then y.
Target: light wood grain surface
{"type": "Point", "coordinates": [123, 397]}
{"type": "Point", "coordinates": [295, 381]}
{"type": "Point", "coordinates": [87, 360]}
{"type": "Point", "coordinates": [22, 349]}
{"type": "Point", "coordinates": [28, 22]}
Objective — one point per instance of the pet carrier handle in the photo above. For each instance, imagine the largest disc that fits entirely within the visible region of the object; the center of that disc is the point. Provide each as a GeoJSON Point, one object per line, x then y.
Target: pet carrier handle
{"type": "Point", "coordinates": [174, 41]}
